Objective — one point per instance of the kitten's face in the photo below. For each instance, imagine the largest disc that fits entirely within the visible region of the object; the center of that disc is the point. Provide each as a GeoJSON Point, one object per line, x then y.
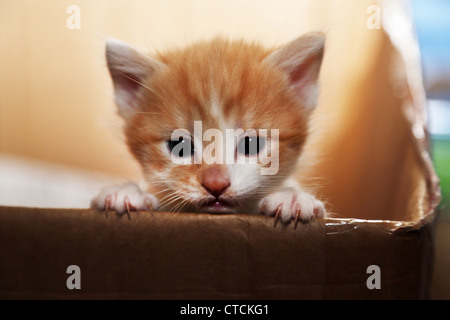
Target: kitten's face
{"type": "Point", "coordinates": [225, 86]}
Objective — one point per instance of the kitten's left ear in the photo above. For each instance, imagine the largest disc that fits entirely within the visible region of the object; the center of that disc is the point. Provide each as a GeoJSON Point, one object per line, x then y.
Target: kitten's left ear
{"type": "Point", "coordinates": [301, 60]}
{"type": "Point", "coordinates": [129, 69]}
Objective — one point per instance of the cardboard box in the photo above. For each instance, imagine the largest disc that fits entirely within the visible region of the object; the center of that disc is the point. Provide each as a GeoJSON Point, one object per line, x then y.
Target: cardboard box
{"type": "Point", "coordinates": [381, 184]}
{"type": "Point", "coordinates": [195, 256]}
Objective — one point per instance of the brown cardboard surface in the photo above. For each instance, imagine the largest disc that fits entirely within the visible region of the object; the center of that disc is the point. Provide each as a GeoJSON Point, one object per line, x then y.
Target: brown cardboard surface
{"type": "Point", "coordinates": [440, 286]}
{"type": "Point", "coordinates": [200, 256]}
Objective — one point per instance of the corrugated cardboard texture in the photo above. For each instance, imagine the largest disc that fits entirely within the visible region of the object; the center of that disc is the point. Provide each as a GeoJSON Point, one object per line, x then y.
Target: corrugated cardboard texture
{"type": "Point", "coordinates": [195, 256]}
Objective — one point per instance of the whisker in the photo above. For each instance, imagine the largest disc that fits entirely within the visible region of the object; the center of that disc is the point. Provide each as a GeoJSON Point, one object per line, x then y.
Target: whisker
{"type": "Point", "coordinates": [184, 205]}
{"type": "Point", "coordinates": [145, 112]}
{"type": "Point", "coordinates": [177, 198]}
{"type": "Point", "coordinates": [180, 205]}
{"type": "Point", "coordinates": [168, 197]}
{"type": "Point", "coordinates": [143, 85]}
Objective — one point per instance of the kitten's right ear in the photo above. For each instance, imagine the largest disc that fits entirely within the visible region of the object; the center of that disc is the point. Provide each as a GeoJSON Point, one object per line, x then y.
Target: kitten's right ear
{"type": "Point", "coordinates": [301, 60]}
{"type": "Point", "coordinates": [129, 69]}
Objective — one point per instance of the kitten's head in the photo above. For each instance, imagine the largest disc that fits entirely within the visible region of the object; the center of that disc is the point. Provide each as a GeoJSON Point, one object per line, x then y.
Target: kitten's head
{"type": "Point", "coordinates": [260, 99]}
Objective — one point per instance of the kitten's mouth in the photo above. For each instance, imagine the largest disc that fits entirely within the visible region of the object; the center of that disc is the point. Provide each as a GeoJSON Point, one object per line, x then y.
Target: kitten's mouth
{"type": "Point", "coordinates": [219, 206]}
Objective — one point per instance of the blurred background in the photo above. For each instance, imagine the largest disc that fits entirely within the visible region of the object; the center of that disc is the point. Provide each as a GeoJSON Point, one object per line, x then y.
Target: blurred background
{"type": "Point", "coordinates": [432, 24]}
{"type": "Point", "coordinates": [60, 137]}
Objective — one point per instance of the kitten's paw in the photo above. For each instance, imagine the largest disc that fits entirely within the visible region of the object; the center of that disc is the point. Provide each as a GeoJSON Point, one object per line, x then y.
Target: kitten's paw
{"type": "Point", "coordinates": [292, 205]}
{"type": "Point", "coordinates": [123, 199]}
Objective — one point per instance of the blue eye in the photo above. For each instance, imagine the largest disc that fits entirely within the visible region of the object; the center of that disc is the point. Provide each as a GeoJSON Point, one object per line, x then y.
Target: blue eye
{"type": "Point", "coordinates": [182, 148]}
{"type": "Point", "coordinates": [250, 146]}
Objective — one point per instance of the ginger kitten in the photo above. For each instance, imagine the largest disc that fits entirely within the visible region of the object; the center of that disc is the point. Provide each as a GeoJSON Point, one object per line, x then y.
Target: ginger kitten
{"type": "Point", "coordinates": [264, 96]}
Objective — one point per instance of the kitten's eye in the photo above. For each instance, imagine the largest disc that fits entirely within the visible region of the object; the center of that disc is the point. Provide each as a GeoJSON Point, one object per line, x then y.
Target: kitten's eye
{"type": "Point", "coordinates": [183, 147]}
{"type": "Point", "coordinates": [250, 146]}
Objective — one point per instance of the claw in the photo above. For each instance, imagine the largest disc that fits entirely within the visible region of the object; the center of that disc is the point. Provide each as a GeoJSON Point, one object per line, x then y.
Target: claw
{"type": "Point", "coordinates": [107, 205]}
{"type": "Point", "coordinates": [277, 214]}
{"type": "Point", "coordinates": [129, 207]}
{"type": "Point", "coordinates": [128, 212]}
{"type": "Point", "coordinates": [298, 212]}
{"type": "Point", "coordinates": [149, 205]}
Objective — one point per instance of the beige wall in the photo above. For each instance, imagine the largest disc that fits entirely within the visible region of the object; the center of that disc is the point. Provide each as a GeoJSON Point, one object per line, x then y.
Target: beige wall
{"type": "Point", "coordinates": [55, 94]}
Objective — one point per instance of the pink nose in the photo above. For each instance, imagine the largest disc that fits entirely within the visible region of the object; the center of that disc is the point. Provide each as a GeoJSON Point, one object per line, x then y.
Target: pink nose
{"type": "Point", "coordinates": [215, 181]}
